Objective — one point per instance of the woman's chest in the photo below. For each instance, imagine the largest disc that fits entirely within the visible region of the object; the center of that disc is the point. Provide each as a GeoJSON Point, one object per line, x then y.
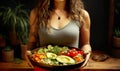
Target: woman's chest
{"type": "Point", "coordinates": [70, 30]}
{"type": "Point", "coordinates": [68, 35]}
{"type": "Point", "coordinates": [59, 23]}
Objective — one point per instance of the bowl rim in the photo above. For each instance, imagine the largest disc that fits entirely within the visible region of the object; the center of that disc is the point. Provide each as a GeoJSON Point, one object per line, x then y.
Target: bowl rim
{"type": "Point", "coordinates": [44, 65]}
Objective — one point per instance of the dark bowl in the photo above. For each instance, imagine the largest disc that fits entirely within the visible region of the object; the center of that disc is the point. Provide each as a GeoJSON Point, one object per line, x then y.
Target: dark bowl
{"type": "Point", "coordinates": [54, 67]}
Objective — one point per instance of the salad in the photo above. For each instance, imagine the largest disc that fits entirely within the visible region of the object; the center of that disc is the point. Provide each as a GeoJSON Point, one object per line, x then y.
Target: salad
{"type": "Point", "coordinates": [57, 55]}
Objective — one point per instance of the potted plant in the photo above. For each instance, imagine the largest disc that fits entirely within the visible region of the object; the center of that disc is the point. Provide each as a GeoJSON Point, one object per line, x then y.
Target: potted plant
{"type": "Point", "coordinates": [17, 21]}
{"type": "Point", "coordinates": [2, 43]}
{"type": "Point", "coordinates": [2, 40]}
{"type": "Point", "coordinates": [116, 37]}
{"type": "Point", "coordinates": [22, 34]}
{"type": "Point", "coordinates": [7, 54]}
{"type": "Point", "coordinates": [22, 31]}
{"type": "Point", "coordinates": [115, 50]}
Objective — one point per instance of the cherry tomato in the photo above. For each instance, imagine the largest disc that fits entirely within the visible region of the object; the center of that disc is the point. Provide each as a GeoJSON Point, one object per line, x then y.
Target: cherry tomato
{"type": "Point", "coordinates": [69, 51]}
{"type": "Point", "coordinates": [68, 54]}
{"type": "Point", "coordinates": [73, 49]}
{"type": "Point", "coordinates": [63, 53]}
{"type": "Point", "coordinates": [74, 53]}
{"type": "Point", "coordinates": [80, 52]}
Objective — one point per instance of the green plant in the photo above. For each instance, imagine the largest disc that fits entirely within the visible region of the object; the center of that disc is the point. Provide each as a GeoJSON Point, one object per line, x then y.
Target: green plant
{"type": "Point", "coordinates": [117, 32]}
{"type": "Point", "coordinates": [17, 20]}
{"type": "Point", "coordinates": [7, 48]}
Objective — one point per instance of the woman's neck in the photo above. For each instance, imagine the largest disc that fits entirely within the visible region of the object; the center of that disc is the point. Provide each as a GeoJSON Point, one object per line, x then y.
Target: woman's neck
{"type": "Point", "coordinates": [59, 5]}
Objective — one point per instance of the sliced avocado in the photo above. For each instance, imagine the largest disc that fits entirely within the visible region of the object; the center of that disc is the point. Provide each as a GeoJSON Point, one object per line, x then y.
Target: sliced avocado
{"type": "Point", "coordinates": [65, 59]}
{"type": "Point", "coordinates": [51, 55]}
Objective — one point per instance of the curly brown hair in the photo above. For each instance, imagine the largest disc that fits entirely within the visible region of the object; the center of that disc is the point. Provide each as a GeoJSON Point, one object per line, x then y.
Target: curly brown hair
{"type": "Point", "coordinates": [44, 7]}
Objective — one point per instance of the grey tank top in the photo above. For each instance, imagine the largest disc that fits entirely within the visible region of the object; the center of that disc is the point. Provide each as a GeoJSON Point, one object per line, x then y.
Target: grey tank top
{"type": "Point", "coordinates": [66, 36]}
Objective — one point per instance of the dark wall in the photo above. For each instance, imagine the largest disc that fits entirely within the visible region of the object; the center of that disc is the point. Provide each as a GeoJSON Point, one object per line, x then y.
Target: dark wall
{"type": "Point", "coordinates": [98, 10]}
{"type": "Point", "coordinates": [117, 14]}
{"type": "Point", "coordinates": [28, 4]}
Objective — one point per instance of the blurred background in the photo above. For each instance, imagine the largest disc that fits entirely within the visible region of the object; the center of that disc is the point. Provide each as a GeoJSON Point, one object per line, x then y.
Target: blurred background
{"type": "Point", "coordinates": [104, 14]}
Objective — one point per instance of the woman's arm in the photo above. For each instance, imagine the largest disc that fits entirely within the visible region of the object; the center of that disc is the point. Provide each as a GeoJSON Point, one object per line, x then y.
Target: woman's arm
{"type": "Point", "coordinates": [85, 36]}
{"type": "Point", "coordinates": [33, 35]}
{"type": "Point", "coordinates": [85, 33]}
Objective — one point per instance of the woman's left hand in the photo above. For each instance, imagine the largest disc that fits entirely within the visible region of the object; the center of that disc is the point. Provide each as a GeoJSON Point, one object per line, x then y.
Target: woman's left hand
{"type": "Point", "coordinates": [87, 56]}
{"type": "Point", "coordinates": [87, 51]}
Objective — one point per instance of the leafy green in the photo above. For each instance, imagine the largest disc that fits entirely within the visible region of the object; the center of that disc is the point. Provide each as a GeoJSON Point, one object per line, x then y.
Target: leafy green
{"type": "Point", "coordinates": [65, 48]}
{"type": "Point", "coordinates": [50, 47]}
{"type": "Point", "coordinates": [54, 49]}
{"type": "Point", "coordinates": [17, 20]}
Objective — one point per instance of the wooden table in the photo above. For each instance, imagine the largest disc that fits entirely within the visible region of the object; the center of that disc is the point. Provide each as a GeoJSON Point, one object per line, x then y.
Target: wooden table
{"type": "Point", "coordinates": [111, 64]}
{"type": "Point", "coordinates": [17, 65]}
{"type": "Point", "coordinates": [13, 66]}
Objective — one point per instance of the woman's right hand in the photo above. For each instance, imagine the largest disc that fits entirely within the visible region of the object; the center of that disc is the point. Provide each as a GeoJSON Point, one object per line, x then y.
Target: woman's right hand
{"type": "Point", "coordinates": [28, 52]}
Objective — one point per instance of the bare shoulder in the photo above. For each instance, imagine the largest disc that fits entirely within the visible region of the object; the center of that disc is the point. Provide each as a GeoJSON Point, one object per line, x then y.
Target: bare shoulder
{"type": "Point", "coordinates": [85, 14]}
{"type": "Point", "coordinates": [33, 14]}
{"type": "Point", "coordinates": [85, 18]}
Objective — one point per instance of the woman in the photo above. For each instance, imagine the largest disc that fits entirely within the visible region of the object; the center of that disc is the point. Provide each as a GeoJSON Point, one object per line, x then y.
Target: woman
{"type": "Point", "coordinates": [60, 22]}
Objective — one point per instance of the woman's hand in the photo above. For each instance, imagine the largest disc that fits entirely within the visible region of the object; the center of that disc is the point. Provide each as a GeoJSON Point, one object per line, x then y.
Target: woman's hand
{"type": "Point", "coordinates": [28, 52]}
{"type": "Point", "coordinates": [87, 56]}
{"type": "Point", "coordinates": [87, 51]}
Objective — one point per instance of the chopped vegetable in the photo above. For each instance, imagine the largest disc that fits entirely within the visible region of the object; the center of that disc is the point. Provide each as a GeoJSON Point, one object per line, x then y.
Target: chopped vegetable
{"type": "Point", "coordinates": [51, 55]}
{"type": "Point", "coordinates": [57, 55]}
{"type": "Point", "coordinates": [65, 59]}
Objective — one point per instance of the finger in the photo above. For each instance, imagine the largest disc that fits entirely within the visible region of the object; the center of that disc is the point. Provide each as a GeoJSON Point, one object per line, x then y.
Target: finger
{"type": "Point", "coordinates": [86, 59]}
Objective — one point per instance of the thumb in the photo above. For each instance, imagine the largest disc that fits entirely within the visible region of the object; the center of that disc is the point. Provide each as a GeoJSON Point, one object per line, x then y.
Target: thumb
{"type": "Point", "coordinates": [86, 59]}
